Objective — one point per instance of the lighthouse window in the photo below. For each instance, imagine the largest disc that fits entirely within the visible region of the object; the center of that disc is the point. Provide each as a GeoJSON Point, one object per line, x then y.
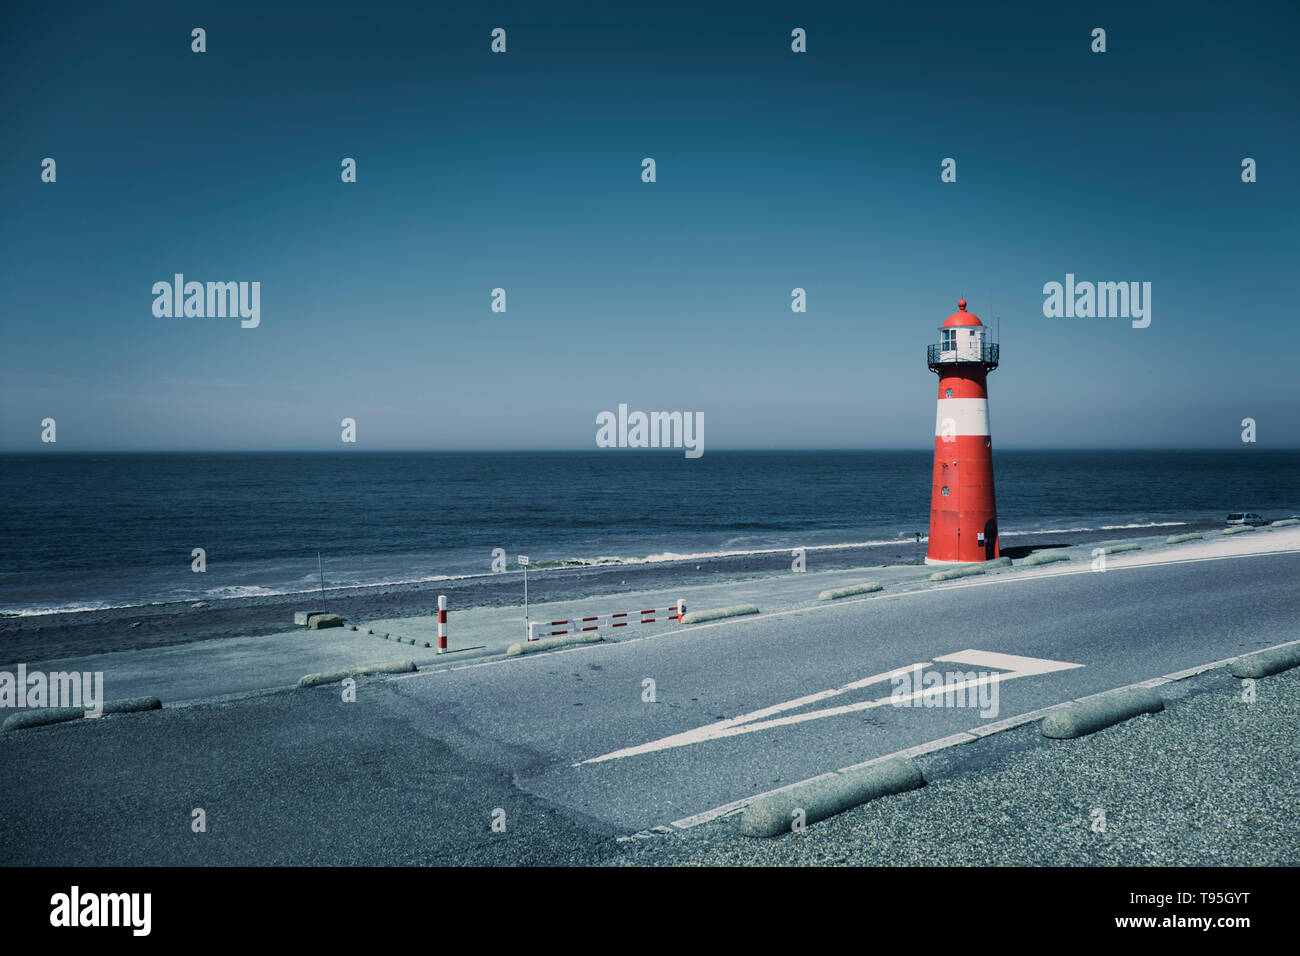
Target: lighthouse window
{"type": "Point", "coordinates": [949, 339]}
{"type": "Point", "coordinates": [947, 393]}
{"type": "Point", "coordinates": [945, 490]}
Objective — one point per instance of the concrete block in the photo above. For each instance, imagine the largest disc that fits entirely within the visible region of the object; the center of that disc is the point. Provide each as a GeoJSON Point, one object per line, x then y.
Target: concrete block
{"type": "Point", "coordinates": [1086, 717]}
{"type": "Point", "coordinates": [700, 617]}
{"type": "Point", "coordinates": [1266, 663]}
{"type": "Point", "coordinates": [834, 594]}
{"type": "Point", "coordinates": [823, 797]}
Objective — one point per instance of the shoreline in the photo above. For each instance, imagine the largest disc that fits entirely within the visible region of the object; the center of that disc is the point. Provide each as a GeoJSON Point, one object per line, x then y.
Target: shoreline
{"type": "Point", "coordinates": [79, 633]}
{"type": "Point", "coordinates": [448, 739]}
{"type": "Point", "coordinates": [198, 599]}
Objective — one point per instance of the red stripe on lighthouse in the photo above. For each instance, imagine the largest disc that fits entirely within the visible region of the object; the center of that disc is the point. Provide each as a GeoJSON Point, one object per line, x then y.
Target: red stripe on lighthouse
{"type": "Point", "coordinates": [963, 387]}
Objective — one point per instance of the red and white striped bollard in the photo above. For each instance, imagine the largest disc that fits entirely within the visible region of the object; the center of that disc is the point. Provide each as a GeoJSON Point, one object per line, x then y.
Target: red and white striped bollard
{"type": "Point", "coordinates": [442, 623]}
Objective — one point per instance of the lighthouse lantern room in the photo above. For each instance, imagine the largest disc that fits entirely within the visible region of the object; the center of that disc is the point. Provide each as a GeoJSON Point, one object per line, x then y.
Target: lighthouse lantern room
{"type": "Point", "coordinates": [963, 514]}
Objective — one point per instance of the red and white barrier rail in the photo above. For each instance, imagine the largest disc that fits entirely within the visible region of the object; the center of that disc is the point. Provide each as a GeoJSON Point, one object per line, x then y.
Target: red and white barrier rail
{"type": "Point", "coordinates": [540, 629]}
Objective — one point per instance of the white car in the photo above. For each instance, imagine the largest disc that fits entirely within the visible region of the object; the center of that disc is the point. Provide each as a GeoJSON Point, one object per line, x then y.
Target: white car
{"type": "Point", "coordinates": [1246, 517]}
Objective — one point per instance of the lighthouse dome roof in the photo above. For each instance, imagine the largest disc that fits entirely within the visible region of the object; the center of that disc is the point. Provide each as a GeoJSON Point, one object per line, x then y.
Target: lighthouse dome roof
{"type": "Point", "coordinates": [961, 317]}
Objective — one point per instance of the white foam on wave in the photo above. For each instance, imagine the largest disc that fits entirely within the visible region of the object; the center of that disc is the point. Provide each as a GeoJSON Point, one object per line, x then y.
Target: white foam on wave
{"type": "Point", "coordinates": [228, 592]}
{"type": "Point", "coordinates": [252, 590]}
{"type": "Point", "coordinates": [63, 609]}
{"type": "Point", "coordinates": [698, 555]}
{"type": "Point", "coordinates": [1104, 527]}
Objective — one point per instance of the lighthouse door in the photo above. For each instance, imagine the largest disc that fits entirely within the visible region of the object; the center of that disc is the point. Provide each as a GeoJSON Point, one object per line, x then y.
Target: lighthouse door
{"type": "Point", "coordinates": [989, 538]}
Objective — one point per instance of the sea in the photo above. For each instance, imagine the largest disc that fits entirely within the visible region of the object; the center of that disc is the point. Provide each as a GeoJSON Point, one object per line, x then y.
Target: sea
{"type": "Point", "coordinates": [83, 532]}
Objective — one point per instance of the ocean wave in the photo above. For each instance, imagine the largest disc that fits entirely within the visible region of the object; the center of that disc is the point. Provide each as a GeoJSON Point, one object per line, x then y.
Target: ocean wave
{"type": "Point", "coordinates": [1104, 527]}
{"type": "Point", "coordinates": [846, 546]}
{"type": "Point", "coordinates": [227, 593]}
{"type": "Point", "coordinates": [67, 609]}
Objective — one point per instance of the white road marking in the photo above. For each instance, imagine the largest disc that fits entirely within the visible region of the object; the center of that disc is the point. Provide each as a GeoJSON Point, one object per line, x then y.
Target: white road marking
{"type": "Point", "coordinates": [920, 750]}
{"type": "Point", "coordinates": [1019, 666]}
{"type": "Point", "coordinates": [764, 719]}
{"type": "Point", "coordinates": [988, 730]}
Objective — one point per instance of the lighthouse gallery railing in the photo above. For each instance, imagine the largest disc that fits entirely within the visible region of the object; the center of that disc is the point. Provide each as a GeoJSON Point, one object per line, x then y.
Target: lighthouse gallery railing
{"type": "Point", "coordinates": [938, 355]}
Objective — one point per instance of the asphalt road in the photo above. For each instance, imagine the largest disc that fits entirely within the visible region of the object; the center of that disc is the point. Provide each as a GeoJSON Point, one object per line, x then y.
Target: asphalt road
{"type": "Point", "coordinates": [1122, 625]}
{"type": "Point", "coordinates": [413, 771]}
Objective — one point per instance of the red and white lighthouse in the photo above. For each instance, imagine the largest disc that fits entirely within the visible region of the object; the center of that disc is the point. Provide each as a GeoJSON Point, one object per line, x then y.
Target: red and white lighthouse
{"type": "Point", "coordinates": [963, 515]}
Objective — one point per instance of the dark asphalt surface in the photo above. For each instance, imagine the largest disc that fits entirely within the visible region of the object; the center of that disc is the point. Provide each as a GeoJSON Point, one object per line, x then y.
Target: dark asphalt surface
{"type": "Point", "coordinates": [1123, 625]}
{"type": "Point", "coordinates": [290, 778]}
{"type": "Point", "coordinates": [412, 771]}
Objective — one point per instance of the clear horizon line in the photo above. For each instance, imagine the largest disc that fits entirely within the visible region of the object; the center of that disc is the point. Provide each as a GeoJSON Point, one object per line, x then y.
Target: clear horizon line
{"type": "Point", "coordinates": [602, 451]}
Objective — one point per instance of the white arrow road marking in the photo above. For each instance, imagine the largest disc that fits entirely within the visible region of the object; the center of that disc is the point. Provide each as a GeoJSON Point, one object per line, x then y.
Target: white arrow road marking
{"type": "Point", "coordinates": [1019, 666]}
{"type": "Point", "coordinates": [759, 719]}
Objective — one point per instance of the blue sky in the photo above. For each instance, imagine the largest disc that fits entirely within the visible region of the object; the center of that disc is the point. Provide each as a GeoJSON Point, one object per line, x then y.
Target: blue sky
{"type": "Point", "coordinates": [522, 171]}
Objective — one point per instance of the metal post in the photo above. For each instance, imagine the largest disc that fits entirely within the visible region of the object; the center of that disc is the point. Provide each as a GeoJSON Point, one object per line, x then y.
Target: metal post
{"type": "Point", "coordinates": [442, 623]}
{"type": "Point", "coordinates": [523, 561]}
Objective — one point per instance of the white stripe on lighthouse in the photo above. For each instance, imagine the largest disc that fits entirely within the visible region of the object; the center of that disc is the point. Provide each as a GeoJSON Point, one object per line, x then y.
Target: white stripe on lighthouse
{"type": "Point", "coordinates": [964, 416]}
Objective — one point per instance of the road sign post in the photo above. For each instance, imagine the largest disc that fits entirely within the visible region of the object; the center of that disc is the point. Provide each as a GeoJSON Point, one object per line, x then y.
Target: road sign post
{"type": "Point", "coordinates": [523, 562]}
